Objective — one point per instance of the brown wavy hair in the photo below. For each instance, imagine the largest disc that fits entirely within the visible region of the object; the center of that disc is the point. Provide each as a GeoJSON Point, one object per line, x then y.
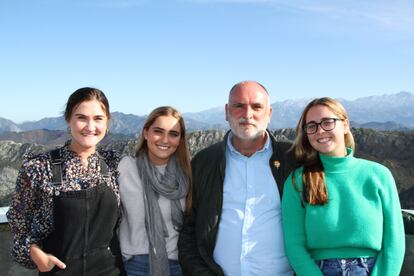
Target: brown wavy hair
{"type": "Point", "coordinates": [182, 153]}
{"type": "Point", "coordinates": [313, 178]}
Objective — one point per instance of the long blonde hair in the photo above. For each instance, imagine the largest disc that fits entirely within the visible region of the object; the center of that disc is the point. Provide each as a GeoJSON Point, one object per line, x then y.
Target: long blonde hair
{"type": "Point", "coordinates": [314, 187]}
{"type": "Point", "coordinates": [182, 153]}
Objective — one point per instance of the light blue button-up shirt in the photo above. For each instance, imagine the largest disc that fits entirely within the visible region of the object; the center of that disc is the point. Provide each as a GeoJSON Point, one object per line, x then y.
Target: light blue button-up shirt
{"type": "Point", "coordinates": [250, 237]}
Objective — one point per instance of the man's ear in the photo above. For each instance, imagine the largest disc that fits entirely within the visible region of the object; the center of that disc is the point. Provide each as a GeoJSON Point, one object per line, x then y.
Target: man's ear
{"type": "Point", "coordinates": [226, 110]}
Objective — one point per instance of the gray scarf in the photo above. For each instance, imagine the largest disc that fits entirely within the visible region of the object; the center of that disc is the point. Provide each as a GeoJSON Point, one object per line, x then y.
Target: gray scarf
{"type": "Point", "coordinates": [173, 184]}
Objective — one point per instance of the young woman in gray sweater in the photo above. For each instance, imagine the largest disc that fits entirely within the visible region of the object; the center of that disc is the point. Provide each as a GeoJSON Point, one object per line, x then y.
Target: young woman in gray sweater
{"type": "Point", "coordinates": [153, 188]}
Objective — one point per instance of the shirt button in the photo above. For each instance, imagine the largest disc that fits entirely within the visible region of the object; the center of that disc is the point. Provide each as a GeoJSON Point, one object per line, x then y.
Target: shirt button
{"type": "Point", "coordinates": [343, 261]}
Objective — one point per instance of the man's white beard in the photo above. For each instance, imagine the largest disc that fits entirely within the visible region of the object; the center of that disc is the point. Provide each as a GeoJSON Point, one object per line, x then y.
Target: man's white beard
{"type": "Point", "coordinates": [251, 132]}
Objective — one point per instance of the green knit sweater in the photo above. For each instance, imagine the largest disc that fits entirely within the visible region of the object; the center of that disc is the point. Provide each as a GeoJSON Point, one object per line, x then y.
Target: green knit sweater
{"type": "Point", "coordinates": [362, 218]}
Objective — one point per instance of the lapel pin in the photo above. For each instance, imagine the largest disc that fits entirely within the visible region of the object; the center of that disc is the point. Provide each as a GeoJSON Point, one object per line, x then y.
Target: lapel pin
{"type": "Point", "coordinates": [276, 163]}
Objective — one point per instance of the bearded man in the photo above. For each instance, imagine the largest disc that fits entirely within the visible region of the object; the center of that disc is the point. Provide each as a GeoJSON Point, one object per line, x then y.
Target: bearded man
{"type": "Point", "coordinates": [234, 226]}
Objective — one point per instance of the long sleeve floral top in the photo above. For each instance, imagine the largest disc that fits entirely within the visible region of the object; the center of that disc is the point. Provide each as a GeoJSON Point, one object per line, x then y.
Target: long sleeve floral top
{"type": "Point", "coordinates": [31, 212]}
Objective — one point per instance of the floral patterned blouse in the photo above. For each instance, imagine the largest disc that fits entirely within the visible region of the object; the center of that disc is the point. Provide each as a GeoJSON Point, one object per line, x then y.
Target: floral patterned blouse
{"type": "Point", "coordinates": [31, 212]}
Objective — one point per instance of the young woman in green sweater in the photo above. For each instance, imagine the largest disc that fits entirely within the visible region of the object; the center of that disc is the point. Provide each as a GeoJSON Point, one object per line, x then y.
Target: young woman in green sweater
{"type": "Point", "coordinates": [341, 214]}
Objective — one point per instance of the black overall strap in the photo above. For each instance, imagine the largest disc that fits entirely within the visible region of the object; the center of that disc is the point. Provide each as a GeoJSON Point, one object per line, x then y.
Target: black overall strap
{"type": "Point", "coordinates": [104, 167]}
{"type": "Point", "coordinates": [57, 164]}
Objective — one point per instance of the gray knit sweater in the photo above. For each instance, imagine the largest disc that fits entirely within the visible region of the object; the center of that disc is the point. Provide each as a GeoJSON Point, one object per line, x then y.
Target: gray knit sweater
{"type": "Point", "coordinates": [132, 234]}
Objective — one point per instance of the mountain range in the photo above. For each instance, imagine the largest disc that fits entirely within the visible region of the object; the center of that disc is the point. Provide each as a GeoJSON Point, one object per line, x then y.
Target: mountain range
{"type": "Point", "coordinates": [384, 112]}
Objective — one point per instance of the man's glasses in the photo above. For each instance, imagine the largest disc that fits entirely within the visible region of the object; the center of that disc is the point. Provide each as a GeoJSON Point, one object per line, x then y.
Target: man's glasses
{"type": "Point", "coordinates": [326, 124]}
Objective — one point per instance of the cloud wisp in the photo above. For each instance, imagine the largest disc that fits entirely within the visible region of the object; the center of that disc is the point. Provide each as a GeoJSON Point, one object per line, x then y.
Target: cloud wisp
{"type": "Point", "coordinates": [398, 14]}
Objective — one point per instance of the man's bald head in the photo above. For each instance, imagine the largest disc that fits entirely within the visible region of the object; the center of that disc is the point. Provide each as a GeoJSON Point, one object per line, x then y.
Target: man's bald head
{"type": "Point", "coordinates": [247, 85]}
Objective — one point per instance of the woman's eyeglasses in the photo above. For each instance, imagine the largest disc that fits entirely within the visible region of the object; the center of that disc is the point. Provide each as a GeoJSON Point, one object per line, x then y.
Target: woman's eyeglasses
{"type": "Point", "coordinates": [326, 124]}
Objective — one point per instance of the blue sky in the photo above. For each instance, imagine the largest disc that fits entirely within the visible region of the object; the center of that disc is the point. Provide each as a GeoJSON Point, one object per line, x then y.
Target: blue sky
{"type": "Point", "coordinates": [188, 53]}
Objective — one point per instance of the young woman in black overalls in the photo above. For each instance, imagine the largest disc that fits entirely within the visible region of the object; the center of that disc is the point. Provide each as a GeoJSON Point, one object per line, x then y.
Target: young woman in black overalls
{"type": "Point", "coordinates": [66, 206]}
